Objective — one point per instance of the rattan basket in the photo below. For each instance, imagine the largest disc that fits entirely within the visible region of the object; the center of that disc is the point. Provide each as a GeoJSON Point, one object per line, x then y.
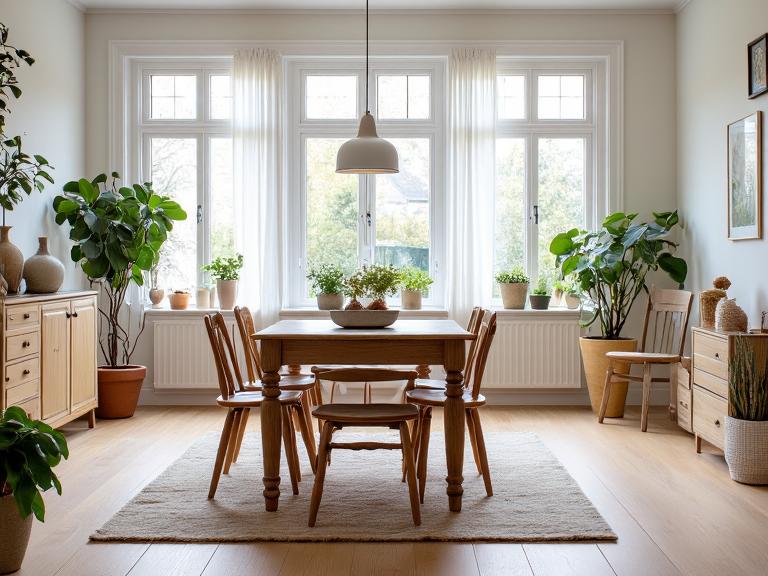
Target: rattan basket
{"type": "Point", "coordinates": [746, 450]}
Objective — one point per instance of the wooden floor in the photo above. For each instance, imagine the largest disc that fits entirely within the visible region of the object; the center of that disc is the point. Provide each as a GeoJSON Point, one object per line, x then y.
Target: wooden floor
{"type": "Point", "coordinates": [675, 512]}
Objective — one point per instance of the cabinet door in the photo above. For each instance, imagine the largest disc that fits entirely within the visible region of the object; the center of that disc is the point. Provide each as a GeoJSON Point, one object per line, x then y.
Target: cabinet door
{"type": "Point", "coordinates": [83, 341]}
{"type": "Point", "coordinates": [54, 357]}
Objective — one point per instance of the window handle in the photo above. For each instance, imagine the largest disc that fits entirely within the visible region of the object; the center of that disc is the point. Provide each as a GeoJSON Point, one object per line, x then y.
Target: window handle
{"type": "Point", "coordinates": [535, 213]}
{"type": "Point", "coordinates": [199, 213]}
{"type": "Point", "coordinates": [368, 219]}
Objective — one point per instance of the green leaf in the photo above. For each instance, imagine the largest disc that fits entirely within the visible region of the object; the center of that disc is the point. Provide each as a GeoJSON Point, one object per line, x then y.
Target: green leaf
{"type": "Point", "coordinates": [72, 186]}
{"type": "Point", "coordinates": [561, 244]}
{"type": "Point", "coordinates": [677, 268]}
{"type": "Point", "coordinates": [87, 190]}
{"type": "Point", "coordinates": [76, 253]}
{"type": "Point", "coordinates": [146, 258]}
{"type": "Point", "coordinates": [100, 179]}
{"type": "Point", "coordinates": [172, 210]}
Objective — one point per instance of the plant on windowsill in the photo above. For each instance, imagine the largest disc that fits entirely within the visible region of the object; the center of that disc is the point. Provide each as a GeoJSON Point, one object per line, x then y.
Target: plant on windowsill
{"type": "Point", "coordinates": [226, 271]}
{"type": "Point", "coordinates": [415, 283]}
{"type": "Point", "coordinates": [609, 267]}
{"type": "Point", "coordinates": [327, 283]}
{"type": "Point", "coordinates": [29, 450]}
{"type": "Point", "coordinates": [513, 285]}
{"type": "Point", "coordinates": [540, 295]}
{"type": "Point", "coordinates": [156, 294]}
{"type": "Point", "coordinates": [380, 281]}
{"type": "Point", "coordinates": [558, 293]}
{"type": "Point", "coordinates": [179, 299]}
{"type": "Point", "coordinates": [571, 297]}
{"type": "Point", "coordinates": [118, 232]}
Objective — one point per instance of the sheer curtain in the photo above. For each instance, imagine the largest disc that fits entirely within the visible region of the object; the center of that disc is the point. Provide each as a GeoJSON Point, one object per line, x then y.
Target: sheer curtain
{"type": "Point", "coordinates": [257, 89]}
{"type": "Point", "coordinates": [471, 179]}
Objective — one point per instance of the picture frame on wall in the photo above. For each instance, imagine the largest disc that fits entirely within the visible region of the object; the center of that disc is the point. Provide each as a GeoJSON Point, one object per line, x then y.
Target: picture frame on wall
{"type": "Point", "coordinates": [745, 178]}
{"type": "Point", "coordinates": [757, 62]}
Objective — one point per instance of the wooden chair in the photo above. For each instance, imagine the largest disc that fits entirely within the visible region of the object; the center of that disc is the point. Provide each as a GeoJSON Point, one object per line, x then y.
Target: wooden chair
{"type": "Point", "coordinates": [239, 402]}
{"type": "Point", "coordinates": [667, 317]}
{"type": "Point", "coordinates": [426, 399]}
{"type": "Point", "coordinates": [393, 416]}
{"type": "Point", "coordinates": [303, 383]}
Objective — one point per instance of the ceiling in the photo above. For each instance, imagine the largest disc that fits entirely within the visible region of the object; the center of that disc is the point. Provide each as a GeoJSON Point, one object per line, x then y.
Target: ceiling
{"type": "Point", "coordinates": [380, 4]}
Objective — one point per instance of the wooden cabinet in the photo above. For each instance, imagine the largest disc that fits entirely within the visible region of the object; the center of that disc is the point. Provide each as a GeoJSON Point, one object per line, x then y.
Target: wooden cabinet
{"type": "Point", "coordinates": [49, 355]}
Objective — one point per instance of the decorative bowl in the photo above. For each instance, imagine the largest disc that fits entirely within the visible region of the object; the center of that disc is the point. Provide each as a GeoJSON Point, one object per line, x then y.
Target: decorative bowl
{"type": "Point", "coordinates": [364, 318]}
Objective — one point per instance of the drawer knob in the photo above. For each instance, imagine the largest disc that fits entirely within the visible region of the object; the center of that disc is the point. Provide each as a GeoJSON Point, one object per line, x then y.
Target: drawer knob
{"type": "Point", "coordinates": [717, 423]}
{"type": "Point", "coordinates": [717, 355]}
{"type": "Point", "coordinates": [26, 315]}
{"type": "Point", "coordinates": [25, 344]}
{"type": "Point", "coordinates": [26, 372]}
{"type": "Point", "coordinates": [7, 378]}
{"type": "Point", "coordinates": [74, 314]}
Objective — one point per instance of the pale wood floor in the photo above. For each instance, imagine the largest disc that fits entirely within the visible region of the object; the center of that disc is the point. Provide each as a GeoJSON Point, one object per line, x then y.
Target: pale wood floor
{"type": "Point", "coordinates": [675, 512]}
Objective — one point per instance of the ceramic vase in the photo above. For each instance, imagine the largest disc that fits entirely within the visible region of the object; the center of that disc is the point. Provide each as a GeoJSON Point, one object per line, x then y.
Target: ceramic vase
{"type": "Point", "coordinates": [410, 299]}
{"type": "Point", "coordinates": [43, 273]}
{"type": "Point", "coordinates": [156, 296]}
{"type": "Point", "coordinates": [227, 290]}
{"type": "Point", "coordinates": [330, 301]}
{"type": "Point", "coordinates": [11, 261]}
{"type": "Point", "coordinates": [513, 295]}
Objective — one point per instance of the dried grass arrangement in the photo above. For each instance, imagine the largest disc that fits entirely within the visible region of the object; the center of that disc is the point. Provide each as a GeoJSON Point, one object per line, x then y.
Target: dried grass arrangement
{"type": "Point", "coordinates": [748, 379]}
{"type": "Point", "coordinates": [708, 300]}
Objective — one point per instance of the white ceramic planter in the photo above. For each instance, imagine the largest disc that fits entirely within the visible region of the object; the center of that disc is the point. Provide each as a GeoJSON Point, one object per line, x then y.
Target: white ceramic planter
{"type": "Point", "coordinates": [330, 301]}
{"type": "Point", "coordinates": [571, 301]}
{"type": "Point", "coordinates": [746, 450]}
{"type": "Point", "coordinates": [227, 290]}
{"type": "Point", "coordinates": [514, 295]}
{"type": "Point", "coordinates": [410, 299]}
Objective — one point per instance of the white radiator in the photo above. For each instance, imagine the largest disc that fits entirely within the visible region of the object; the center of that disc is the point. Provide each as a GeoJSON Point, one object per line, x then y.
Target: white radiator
{"type": "Point", "coordinates": [535, 351]}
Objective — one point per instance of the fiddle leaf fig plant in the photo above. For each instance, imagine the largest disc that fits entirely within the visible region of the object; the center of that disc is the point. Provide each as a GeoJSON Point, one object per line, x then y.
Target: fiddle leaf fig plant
{"type": "Point", "coordinates": [118, 232]}
{"type": "Point", "coordinates": [609, 266]}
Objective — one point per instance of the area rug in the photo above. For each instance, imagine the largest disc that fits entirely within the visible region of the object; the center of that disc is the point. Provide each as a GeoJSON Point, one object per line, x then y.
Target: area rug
{"type": "Point", "coordinates": [535, 500]}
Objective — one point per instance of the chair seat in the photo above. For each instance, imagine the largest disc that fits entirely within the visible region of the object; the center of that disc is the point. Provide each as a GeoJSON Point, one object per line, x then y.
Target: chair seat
{"type": "Point", "coordinates": [643, 357]}
{"type": "Point", "coordinates": [298, 382]}
{"type": "Point", "coordinates": [430, 384]}
{"type": "Point", "coordinates": [252, 399]}
{"type": "Point", "coordinates": [437, 398]}
{"type": "Point", "coordinates": [366, 413]}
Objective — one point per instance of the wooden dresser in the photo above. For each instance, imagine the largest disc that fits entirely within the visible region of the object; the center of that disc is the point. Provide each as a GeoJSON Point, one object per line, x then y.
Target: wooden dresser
{"type": "Point", "coordinates": [48, 355]}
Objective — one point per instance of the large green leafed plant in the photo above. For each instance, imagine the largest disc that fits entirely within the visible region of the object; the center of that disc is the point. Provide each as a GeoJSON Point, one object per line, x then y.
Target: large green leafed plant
{"type": "Point", "coordinates": [609, 266]}
{"type": "Point", "coordinates": [118, 233]}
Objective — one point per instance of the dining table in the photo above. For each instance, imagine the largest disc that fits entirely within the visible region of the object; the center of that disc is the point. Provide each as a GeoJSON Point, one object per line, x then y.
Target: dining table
{"type": "Point", "coordinates": [415, 342]}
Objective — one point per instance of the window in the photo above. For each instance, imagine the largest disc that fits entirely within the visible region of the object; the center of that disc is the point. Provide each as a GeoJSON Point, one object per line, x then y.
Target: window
{"type": "Point", "coordinates": [546, 139]}
{"type": "Point", "coordinates": [352, 220]}
{"type": "Point", "coordinates": [184, 147]}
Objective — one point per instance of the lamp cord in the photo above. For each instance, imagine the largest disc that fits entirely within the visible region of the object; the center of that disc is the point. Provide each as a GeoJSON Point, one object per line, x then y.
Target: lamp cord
{"type": "Point", "coordinates": [367, 108]}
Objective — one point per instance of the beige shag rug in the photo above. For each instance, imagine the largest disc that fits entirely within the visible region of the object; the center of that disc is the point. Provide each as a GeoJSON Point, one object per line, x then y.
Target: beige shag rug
{"type": "Point", "coordinates": [535, 500]}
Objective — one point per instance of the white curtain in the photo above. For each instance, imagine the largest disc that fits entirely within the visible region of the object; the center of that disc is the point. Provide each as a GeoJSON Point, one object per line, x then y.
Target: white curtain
{"type": "Point", "coordinates": [256, 92]}
{"type": "Point", "coordinates": [471, 179]}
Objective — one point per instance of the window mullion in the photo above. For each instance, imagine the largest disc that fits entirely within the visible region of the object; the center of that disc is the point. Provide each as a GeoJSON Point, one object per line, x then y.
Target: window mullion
{"type": "Point", "coordinates": [532, 181]}
{"type": "Point", "coordinates": [202, 206]}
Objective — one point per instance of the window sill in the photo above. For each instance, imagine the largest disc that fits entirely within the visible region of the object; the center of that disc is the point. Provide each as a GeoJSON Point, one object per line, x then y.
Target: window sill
{"type": "Point", "coordinates": [310, 312]}
{"type": "Point", "coordinates": [191, 311]}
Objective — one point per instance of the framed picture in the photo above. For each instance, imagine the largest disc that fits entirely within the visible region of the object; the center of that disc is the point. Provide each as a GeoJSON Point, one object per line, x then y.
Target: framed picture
{"type": "Point", "coordinates": [745, 177]}
{"type": "Point", "coordinates": [757, 59]}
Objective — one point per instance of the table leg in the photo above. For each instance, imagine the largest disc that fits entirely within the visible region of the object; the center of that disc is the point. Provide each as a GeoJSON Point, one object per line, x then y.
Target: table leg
{"type": "Point", "coordinates": [423, 371]}
{"type": "Point", "coordinates": [454, 421]}
{"type": "Point", "coordinates": [271, 422]}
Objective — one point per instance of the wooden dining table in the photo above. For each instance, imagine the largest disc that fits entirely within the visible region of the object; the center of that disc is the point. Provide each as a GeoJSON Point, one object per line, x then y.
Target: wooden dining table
{"type": "Point", "coordinates": [406, 342]}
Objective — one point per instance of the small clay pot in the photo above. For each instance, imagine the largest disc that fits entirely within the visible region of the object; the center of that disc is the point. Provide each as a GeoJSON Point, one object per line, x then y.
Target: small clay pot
{"type": "Point", "coordinates": [513, 295]}
{"type": "Point", "coordinates": [410, 299]}
{"type": "Point", "coordinates": [178, 300]}
{"type": "Point", "coordinates": [330, 301]}
{"type": "Point", "coordinates": [539, 301]}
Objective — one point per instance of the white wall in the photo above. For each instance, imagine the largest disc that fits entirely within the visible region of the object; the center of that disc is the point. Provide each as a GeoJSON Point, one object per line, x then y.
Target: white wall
{"type": "Point", "coordinates": [50, 116]}
{"type": "Point", "coordinates": [712, 38]}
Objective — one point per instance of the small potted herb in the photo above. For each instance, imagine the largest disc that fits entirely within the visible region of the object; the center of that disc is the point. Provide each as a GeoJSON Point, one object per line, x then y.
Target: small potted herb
{"type": "Point", "coordinates": [226, 271]}
{"type": "Point", "coordinates": [415, 283]}
{"type": "Point", "coordinates": [513, 285]}
{"type": "Point", "coordinates": [558, 293]}
{"type": "Point", "coordinates": [380, 281]}
{"type": "Point", "coordinates": [540, 296]}
{"type": "Point", "coordinates": [327, 281]}
{"type": "Point", "coordinates": [179, 299]}
{"type": "Point", "coordinates": [354, 287]}
{"type": "Point", "coordinates": [29, 450]}
{"type": "Point", "coordinates": [571, 297]}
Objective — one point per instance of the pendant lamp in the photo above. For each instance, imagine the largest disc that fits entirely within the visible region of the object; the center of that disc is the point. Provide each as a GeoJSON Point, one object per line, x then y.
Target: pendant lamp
{"type": "Point", "coordinates": [367, 153]}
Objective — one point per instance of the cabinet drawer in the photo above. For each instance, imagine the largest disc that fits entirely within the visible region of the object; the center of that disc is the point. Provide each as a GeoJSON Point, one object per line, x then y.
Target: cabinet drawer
{"type": "Point", "coordinates": [684, 408]}
{"type": "Point", "coordinates": [22, 345]}
{"type": "Point", "coordinates": [709, 416]}
{"type": "Point", "coordinates": [17, 394]}
{"type": "Point", "coordinates": [20, 372]}
{"type": "Point", "coordinates": [710, 354]}
{"type": "Point", "coordinates": [31, 407]}
{"type": "Point", "coordinates": [709, 382]}
{"type": "Point", "coordinates": [683, 377]}
{"type": "Point", "coordinates": [21, 317]}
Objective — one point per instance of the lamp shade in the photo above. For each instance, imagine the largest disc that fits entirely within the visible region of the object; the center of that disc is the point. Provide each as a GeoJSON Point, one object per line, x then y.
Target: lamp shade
{"type": "Point", "coordinates": [367, 153]}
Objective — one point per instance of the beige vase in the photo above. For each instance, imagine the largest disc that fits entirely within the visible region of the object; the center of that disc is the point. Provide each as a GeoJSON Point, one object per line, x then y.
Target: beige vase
{"type": "Point", "coordinates": [410, 299]}
{"type": "Point", "coordinates": [227, 290]}
{"type": "Point", "coordinates": [43, 273]}
{"type": "Point", "coordinates": [514, 295]}
{"type": "Point", "coordinates": [156, 296]}
{"type": "Point", "coordinates": [593, 352]}
{"type": "Point", "coordinates": [330, 301]}
{"type": "Point", "coordinates": [16, 530]}
{"type": "Point", "coordinates": [11, 261]}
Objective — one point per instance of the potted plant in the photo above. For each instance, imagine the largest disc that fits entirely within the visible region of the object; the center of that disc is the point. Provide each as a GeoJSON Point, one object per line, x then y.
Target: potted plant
{"type": "Point", "coordinates": [327, 281]}
{"type": "Point", "coordinates": [29, 450]}
{"type": "Point", "coordinates": [558, 293]}
{"type": "Point", "coordinates": [226, 271]}
{"type": "Point", "coordinates": [571, 296]}
{"type": "Point", "coordinates": [117, 234]}
{"type": "Point", "coordinates": [540, 296]}
{"type": "Point", "coordinates": [608, 268]}
{"type": "Point", "coordinates": [380, 281]}
{"type": "Point", "coordinates": [514, 288]}
{"type": "Point", "coordinates": [746, 425]}
{"type": "Point", "coordinates": [156, 294]}
{"type": "Point", "coordinates": [179, 299]}
{"type": "Point", "coordinates": [354, 287]}
{"type": "Point", "coordinates": [415, 283]}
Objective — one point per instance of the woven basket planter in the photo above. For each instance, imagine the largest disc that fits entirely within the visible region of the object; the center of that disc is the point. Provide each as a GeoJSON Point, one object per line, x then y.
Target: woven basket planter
{"type": "Point", "coordinates": [746, 450]}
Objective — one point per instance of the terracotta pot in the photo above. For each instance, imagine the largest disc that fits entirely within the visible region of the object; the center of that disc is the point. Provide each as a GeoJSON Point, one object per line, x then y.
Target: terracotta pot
{"type": "Point", "coordinates": [156, 296]}
{"type": "Point", "coordinates": [43, 273]}
{"type": "Point", "coordinates": [16, 530]}
{"type": "Point", "coordinates": [572, 301]}
{"type": "Point", "coordinates": [410, 299]}
{"type": "Point", "coordinates": [513, 295]}
{"type": "Point", "coordinates": [593, 352]}
{"type": "Point", "coordinates": [227, 290]}
{"type": "Point", "coordinates": [119, 389]}
{"type": "Point", "coordinates": [330, 301]}
{"type": "Point", "coordinates": [179, 300]}
{"type": "Point", "coordinates": [11, 260]}
{"type": "Point", "coordinates": [539, 301]}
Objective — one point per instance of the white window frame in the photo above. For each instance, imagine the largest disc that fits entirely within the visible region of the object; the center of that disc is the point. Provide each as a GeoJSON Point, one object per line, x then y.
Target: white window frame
{"type": "Point", "coordinates": [299, 128]}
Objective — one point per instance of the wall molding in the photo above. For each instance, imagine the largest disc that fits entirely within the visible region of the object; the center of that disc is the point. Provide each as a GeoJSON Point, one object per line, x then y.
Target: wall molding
{"type": "Point", "coordinates": [387, 12]}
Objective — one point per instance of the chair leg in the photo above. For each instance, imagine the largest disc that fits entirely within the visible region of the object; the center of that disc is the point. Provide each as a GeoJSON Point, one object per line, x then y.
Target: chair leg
{"type": "Point", "coordinates": [234, 434]}
{"type": "Point", "coordinates": [606, 392]}
{"type": "Point", "coordinates": [289, 440]}
{"type": "Point", "coordinates": [646, 396]}
{"type": "Point", "coordinates": [426, 424]}
{"type": "Point", "coordinates": [405, 440]}
{"type": "Point", "coordinates": [223, 442]}
{"type": "Point", "coordinates": [475, 415]}
{"type": "Point", "coordinates": [322, 463]}
{"type": "Point", "coordinates": [307, 431]}
{"type": "Point", "coordinates": [472, 440]}
{"type": "Point", "coordinates": [241, 434]}
{"type": "Point", "coordinates": [414, 431]}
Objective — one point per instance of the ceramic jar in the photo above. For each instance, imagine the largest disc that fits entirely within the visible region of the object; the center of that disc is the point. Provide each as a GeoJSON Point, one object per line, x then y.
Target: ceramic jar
{"type": "Point", "coordinates": [11, 260]}
{"type": "Point", "coordinates": [43, 273]}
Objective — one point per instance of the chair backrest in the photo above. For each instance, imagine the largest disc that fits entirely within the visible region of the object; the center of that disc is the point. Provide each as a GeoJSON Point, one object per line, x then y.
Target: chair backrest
{"type": "Point", "coordinates": [666, 321]}
{"type": "Point", "coordinates": [245, 326]}
{"type": "Point", "coordinates": [473, 326]}
{"type": "Point", "coordinates": [224, 355]}
{"type": "Point", "coordinates": [369, 375]}
{"type": "Point", "coordinates": [484, 341]}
